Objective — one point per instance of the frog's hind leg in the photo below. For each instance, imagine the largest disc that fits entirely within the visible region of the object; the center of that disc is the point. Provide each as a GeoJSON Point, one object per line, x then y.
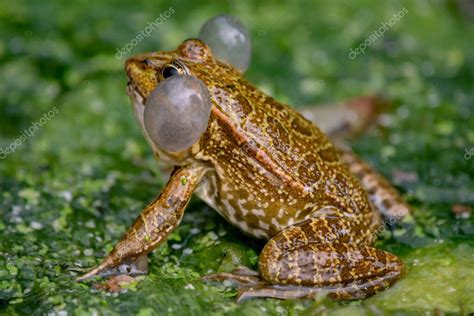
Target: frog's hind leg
{"type": "Point", "coordinates": [319, 255]}
{"type": "Point", "coordinates": [344, 271]}
{"type": "Point", "coordinates": [381, 193]}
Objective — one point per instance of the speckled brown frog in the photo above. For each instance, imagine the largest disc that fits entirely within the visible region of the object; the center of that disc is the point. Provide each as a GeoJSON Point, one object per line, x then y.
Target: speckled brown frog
{"type": "Point", "coordinates": [271, 173]}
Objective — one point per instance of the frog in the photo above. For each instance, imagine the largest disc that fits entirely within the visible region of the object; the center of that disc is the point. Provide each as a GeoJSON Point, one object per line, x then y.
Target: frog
{"type": "Point", "coordinates": [273, 174]}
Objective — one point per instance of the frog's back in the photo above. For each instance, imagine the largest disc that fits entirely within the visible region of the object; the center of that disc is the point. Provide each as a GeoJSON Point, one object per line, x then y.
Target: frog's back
{"type": "Point", "coordinates": [273, 167]}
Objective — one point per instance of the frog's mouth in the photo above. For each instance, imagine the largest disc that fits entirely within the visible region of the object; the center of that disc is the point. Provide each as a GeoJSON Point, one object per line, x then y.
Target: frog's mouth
{"type": "Point", "coordinates": [138, 109]}
{"type": "Point", "coordinates": [138, 103]}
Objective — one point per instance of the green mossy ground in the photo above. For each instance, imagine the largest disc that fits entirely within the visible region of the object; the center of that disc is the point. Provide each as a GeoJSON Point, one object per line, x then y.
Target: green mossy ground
{"type": "Point", "coordinates": [69, 192]}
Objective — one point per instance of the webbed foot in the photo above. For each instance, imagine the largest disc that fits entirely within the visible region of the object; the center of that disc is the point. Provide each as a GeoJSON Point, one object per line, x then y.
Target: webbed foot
{"type": "Point", "coordinates": [282, 292]}
{"type": "Point", "coordinates": [250, 285]}
{"type": "Point", "coordinates": [241, 277]}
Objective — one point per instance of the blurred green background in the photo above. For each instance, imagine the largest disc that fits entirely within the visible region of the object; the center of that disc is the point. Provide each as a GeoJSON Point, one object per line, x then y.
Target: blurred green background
{"type": "Point", "coordinates": [69, 191]}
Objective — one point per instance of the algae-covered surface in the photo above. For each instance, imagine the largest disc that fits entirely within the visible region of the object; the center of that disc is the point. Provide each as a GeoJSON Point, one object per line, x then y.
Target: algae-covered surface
{"type": "Point", "coordinates": [75, 170]}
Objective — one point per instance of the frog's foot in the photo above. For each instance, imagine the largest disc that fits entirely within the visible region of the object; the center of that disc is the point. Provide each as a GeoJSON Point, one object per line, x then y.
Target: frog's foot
{"type": "Point", "coordinates": [250, 285]}
{"type": "Point", "coordinates": [282, 292]}
{"type": "Point", "coordinates": [128, 267]}
{"type": "Point", "coordinates": [312, 254]}
{"type": "Point", "coordinates": [352, 291]}
{"type": "Point", "coordinates": [240, 277]}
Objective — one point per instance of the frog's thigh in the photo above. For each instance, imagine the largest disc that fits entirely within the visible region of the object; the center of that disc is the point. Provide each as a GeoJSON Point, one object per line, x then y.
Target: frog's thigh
{"type": "Point", "coordinates": [381, 193]}
{"type": "Point", "coordinates": [346, 270]}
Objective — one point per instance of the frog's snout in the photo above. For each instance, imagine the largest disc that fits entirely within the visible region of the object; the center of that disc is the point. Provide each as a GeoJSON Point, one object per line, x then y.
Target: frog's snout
{"type": "Point", "coordinates": [142, 74]}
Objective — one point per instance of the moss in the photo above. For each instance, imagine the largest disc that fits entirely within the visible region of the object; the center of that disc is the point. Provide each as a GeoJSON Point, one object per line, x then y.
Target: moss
{"type": "Point", "coordinates": [69, 191]}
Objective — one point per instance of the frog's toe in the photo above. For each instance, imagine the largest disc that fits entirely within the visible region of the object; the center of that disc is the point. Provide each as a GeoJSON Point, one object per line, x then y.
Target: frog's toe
{"type": "Point", "coordinates": [241, 277]}
{"type": "Point", "coordinates": [250, 285]}
{"type": "Point", "coordinates": [282, 292]}
{"type": "Point", "coordinates": [244, 271]}
{"type": "Point", "coordinates": [129, 267]}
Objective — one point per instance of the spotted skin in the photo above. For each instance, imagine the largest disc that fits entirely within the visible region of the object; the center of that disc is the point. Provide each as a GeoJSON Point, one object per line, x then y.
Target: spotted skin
{"type": "Point", "coordinates": [349, 268]}
{"type": "Point", "coordinates": [270, 172]}
{"type": "Point", "coordinates": [382, 195]}
{"type": "Point", "coordinates": [340, 121]}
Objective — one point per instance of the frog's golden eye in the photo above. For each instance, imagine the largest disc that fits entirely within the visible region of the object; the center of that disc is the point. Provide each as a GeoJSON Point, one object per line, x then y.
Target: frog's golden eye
{"type": "Point", "coordinates": [172, 70]}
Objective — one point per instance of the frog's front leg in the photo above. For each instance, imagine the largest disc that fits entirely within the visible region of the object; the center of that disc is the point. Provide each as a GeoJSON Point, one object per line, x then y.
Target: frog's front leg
{"type": "Point", "coordinates": [318, 255]}
{"type": "Point", "coordinates": [152, 226]}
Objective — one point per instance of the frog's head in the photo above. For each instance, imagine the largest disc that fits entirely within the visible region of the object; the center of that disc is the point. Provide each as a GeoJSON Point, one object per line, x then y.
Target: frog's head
{"type": "Point", "coordinates": [193, 58]}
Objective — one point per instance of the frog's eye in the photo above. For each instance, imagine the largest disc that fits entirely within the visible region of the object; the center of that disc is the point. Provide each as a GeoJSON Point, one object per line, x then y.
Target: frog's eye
{"type": "Point", "coordinates": [177, 112]}
{"type": "Point", "coordinates": [169, 71]}
{"type": "Point", "coordinates": [172, 70]}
